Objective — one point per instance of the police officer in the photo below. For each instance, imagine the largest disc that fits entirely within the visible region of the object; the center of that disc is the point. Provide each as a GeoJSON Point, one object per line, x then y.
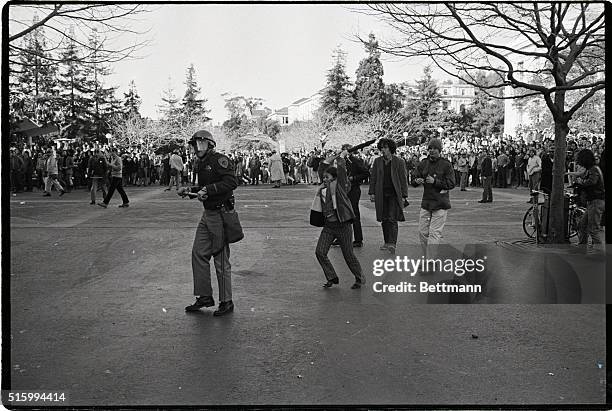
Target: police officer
{"type": "Point", "coordinates": [216, 182]}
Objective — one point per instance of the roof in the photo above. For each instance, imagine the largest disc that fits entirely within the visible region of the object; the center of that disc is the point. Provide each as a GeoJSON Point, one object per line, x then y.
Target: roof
{"type": "Point", "coordinates": [283, 111]}
{"type": "Point", "coordinates": [299, 101]}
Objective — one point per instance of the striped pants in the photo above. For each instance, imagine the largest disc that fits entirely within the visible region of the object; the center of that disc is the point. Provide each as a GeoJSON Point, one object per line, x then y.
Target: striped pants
{"type": "Point", "coordinates": [200, 261]}
{"type": "Point", "coordinates": [344, 233]}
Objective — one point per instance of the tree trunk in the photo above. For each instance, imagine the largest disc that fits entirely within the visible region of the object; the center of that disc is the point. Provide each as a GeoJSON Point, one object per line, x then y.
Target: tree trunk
{"type": "Point", "coordinates": [556, 222]}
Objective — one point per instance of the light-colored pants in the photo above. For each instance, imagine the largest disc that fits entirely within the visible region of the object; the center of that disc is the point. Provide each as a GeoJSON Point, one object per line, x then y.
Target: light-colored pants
{"type": "Point", "coordinates": [52, 180]}
{"type": "Point", "coordinates": [200, 261]}
{"type": "Point", "coordinates": [431, 224]}
{"type": "Point", "coordinates": [314, 176]}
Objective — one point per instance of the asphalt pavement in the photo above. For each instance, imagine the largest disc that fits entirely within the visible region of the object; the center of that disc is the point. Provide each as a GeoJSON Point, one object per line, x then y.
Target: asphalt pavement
{"type": "Point", "coordinates": [98, 297]}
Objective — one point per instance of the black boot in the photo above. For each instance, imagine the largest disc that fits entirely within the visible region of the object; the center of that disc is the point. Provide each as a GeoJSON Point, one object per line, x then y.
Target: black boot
{"type": "Point", "coordinates": [200, 302]}
{"type": "Point", "coordinates": [225, 307]}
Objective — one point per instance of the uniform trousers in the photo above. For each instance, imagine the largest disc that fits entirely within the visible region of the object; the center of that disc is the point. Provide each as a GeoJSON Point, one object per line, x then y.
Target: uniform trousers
{"type": "Point", "coordinates": [343, 232]}
{"type": "Point", "coordinates": [200, 259]}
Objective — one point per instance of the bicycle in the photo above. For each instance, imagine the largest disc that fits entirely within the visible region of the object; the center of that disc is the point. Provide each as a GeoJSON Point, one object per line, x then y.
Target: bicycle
{"type": "Point", "coordinates": [532, 222]}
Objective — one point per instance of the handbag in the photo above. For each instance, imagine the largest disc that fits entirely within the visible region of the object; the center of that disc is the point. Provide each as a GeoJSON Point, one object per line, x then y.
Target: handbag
{"type": "Point", "coordinates": [232, 230]}
{"type": "Point", "coordinates": [316, 218]}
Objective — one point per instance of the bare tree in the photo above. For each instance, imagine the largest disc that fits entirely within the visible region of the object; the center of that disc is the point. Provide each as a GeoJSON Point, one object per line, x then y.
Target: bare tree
{"type": "Point", "coordinates": [559, 45]}
{"type": "Point", "coordinates": [62, 23]}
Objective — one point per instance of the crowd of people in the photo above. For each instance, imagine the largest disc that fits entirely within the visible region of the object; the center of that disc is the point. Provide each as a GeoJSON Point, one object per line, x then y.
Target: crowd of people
{"type": "Point", "coordinates": [509, 164]}
{"type": "Point", "coordinates": [437, 167]}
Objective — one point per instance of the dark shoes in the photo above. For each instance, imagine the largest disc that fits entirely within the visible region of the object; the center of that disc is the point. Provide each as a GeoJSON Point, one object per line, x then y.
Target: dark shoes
{"type": "Point", "coordinates": [331, 282]}
{"type": "Point", "coordinates": [357, 243]}
{"type": "Point", "coordinates": [103, 205]}
{"type": "Point", "coordinates": [92, 203]}
{"type": "Point", "coordinates": [124, 205]}
{"type": "Point", "coordinates": [62, 193]}
{"type": "Point", "coordinates": [47, 195]}
{"type": "Point", "coordinates": [225, 307]}
{"type": "Point", "coordinates": [358, 284]}
{"type": "Point", "coordinates": [202, 302]}
{"type": "Point", "coordinates": [485, 201]}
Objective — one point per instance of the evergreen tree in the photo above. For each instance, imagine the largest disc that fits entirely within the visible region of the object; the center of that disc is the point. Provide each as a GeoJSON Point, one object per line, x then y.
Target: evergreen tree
{"type": "Point", "coordinates": [169, 108]}
{"type": "Point", "coordinates": [105, 103]}
{"type": "Point", "coordinates": [487, 111]}
{"type": "Point", "coordinates": [369, 86]}
{"type": "Point", "coordinates": [192, 106]}
{"type": "Point", "coordinates": [422, 105]}
{"type": "Point", "coordinates": [429, 96]}
{"type": "Point", "coordinates": [76, 93]}
{"type": "Point", "coordinates": [338, 98]}
{"type": "Point", "coordinates": [33, 85]}
{"type": "Point", "coordinates": [131, 101]}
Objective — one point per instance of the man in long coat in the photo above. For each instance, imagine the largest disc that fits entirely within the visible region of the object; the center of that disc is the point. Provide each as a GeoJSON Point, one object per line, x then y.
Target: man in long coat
{"type": "Point", "coordinates": [277, 175]}
{"type": "Point", "coordinates": [388, 190]}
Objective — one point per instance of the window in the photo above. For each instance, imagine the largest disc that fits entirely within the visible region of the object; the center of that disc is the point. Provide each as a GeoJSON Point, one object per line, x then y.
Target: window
{"type": "Point", "coordinates": [463, 92]}
{"type": "Point", "coordinates": [445, 105]}
{"type": "Point", "coordinates": [445, 91]}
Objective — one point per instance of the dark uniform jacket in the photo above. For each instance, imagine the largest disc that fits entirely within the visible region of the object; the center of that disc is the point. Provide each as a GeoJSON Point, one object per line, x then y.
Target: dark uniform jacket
{"type": "Point", "coordinates": [435, 195]}
{"type": "Point", "coordinates": [216, 173]}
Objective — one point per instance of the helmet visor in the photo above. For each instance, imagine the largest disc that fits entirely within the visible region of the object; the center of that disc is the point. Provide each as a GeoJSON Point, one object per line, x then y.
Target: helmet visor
{"type": "Point", "coordinates": [200, 145]}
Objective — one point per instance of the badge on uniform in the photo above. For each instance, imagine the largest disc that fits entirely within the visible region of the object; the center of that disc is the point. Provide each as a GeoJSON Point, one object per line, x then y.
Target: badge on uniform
{"type": "Point", "coordinates": [208, 168]}
{"type": "Point", "coordinates": [223, 162]}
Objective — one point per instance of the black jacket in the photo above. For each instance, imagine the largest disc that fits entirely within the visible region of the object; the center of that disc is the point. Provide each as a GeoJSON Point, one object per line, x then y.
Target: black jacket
{"type": "Point", "coordinates": [487, 167]}
{"type": "Point", "coordinates": [435, 195]}
{"type": "Point", "coordinates": [356, 170]}
{"type": "Point", "coordinates": [216, 173]}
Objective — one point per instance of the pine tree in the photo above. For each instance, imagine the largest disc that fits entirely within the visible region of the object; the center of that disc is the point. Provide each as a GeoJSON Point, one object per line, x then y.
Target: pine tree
{"type": "Point", "coordinates": [76, 89]}
{"type": "Point", "coordinates": [369, 85]}
{"type": "Point", "coordinates": [131, 101]}
{"type": "Point", "coordinates": [429, 96]}
{"type": "Point", "coordinates": [105, 102]}
{"type": "Point", "coordinates": [487, 112]}
{"type": "Point", "coordinates": [33, 86]}
{"type": "Point", "coordinates": [338, 98]}
{"type": "Point", "coordinates": [192, 106]}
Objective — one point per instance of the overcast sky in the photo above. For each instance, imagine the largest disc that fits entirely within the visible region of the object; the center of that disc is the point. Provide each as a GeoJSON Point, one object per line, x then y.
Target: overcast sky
{"type": "Point", "coordinates": [277, 52]}
{"type": "Point", "coordinates": [280, 53]}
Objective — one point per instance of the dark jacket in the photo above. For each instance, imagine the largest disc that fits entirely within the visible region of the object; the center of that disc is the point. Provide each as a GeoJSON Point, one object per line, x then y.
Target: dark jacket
{"type": "Point", "coordinates": [356, 171]}
{"type": "Point", "coordinates": [435, 195]}
{"type": "Point", "coordinates": [98, 167]}
{"type": "Point", "coordinates": [399, 180]}
{"type": "Point", "coordinates": [216, 173]}
{"type": "Point", "coordinates": [339, 192]}
{"type": "Point", "coordinates": [487, 167]}
{"type": "Point", "coordinates": [593, 184]}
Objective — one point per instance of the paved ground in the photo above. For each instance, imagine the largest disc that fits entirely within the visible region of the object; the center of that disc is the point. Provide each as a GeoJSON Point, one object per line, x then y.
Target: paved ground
{"type": "Point", "coordinates": [98, 296]}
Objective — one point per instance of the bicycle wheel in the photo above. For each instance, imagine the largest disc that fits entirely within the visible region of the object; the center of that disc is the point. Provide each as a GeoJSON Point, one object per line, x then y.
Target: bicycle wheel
{"type": "Point", "coordinates": [574, 219]}
{"type": "Point", "coordinates": [529, 226]}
